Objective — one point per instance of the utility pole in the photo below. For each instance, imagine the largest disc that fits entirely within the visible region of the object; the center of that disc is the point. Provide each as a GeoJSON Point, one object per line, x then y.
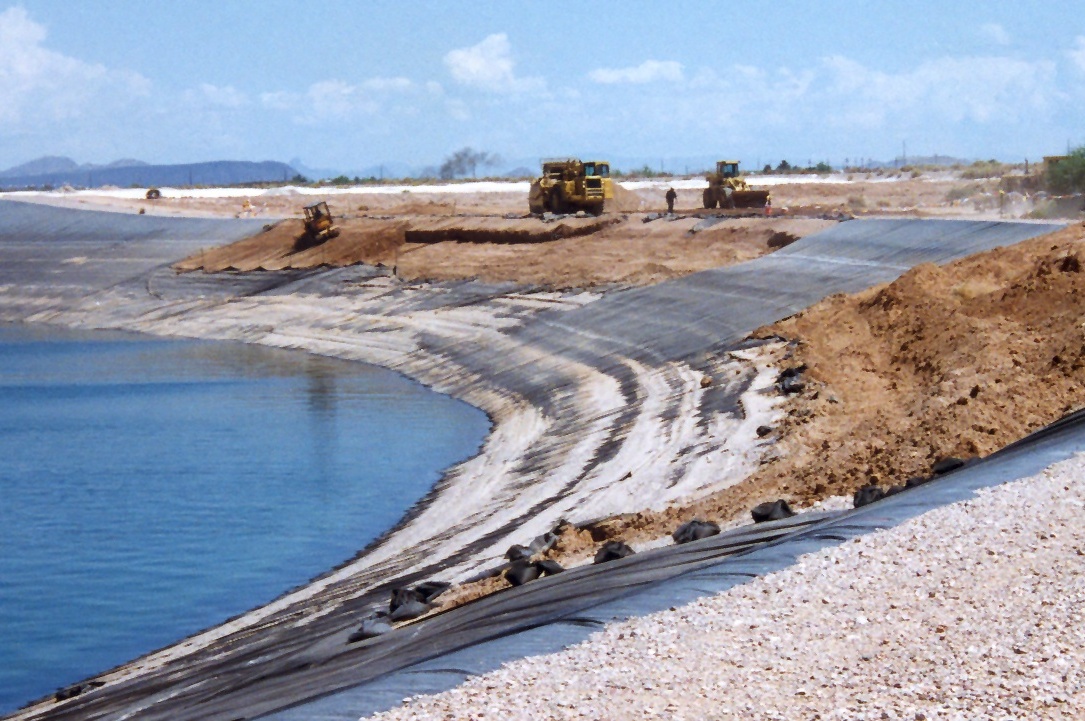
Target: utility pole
{"type": "Point", "coordinates": [904, 152]}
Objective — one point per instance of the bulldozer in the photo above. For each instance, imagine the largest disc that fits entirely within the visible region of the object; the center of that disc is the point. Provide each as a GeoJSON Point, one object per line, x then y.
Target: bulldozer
{"type": "Point", "coordinates": [319, 227]}
{"type": "Point", "coordinates": [728, 190]}
{"type": "Point", "coordinates": [569, 185]}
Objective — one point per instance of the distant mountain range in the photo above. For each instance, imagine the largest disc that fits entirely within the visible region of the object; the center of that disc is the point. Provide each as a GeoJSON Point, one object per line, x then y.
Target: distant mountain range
{"type": "Point", "coordinates": [57, 172]}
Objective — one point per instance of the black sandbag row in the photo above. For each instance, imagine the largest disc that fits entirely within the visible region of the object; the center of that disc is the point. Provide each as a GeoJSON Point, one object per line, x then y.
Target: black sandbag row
{"type": "Point", "coordinates": [872, 493]}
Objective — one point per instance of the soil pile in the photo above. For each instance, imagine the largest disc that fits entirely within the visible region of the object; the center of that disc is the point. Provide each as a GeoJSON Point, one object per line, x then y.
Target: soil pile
{"type": "Point", "coordinates": [568, 253]}
{"type": "Point", "coordinates": [282, 246]}
{"type": "Point", "coordinates": [946, 361]}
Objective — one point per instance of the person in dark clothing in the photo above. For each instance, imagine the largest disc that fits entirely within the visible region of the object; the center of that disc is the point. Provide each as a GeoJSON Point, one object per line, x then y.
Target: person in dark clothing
{"type": "Point", "coordinates": [671, 197]}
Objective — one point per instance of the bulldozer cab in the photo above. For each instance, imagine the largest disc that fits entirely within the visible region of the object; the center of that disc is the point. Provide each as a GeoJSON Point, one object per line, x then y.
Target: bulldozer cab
{"type": "Point", "coordinates": [601, 170]}
{"type": "Point", "coordinates": [316, 211]}
{"type": "Point", "coordinates": [727, 168]}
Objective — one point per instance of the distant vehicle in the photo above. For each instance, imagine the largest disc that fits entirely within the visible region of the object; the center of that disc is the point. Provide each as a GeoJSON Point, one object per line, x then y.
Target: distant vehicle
{"type": "Point", "coordinates": [727, 189]}
{"type": "Point", "coordinates": [570, 185]}
{"type": "Point", "coordinates": [319, 225]}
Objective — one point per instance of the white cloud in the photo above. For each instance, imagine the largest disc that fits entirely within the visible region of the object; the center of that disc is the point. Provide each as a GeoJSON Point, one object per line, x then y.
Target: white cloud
{"type": "Point", "coordinates": [979, 89]}
{"type": "Point", "coordinates": [279, 100]}
{"type": "Point", "coordinates": [38, 84]}
{"type": "Point", "coordinates": [647, 72]}
{"type": "Point", "coordinates": [218, 96]}
{"type": "Point", "coordinates": [489, 66]}
{"type": "Point", "coordinates": [387, 84]}
{"type": "Point", "coordinates": [333, 99]}
{"type": "Point", "coordinates": [995, 33]}
{"type": "Point", "coordinates": [458, 109]}
{"type": "Point", "coordinates": [1077, 55]}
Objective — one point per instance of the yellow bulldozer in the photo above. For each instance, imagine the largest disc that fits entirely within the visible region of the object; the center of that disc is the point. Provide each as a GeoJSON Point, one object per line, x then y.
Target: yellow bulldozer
{"type": "Point", "coordinates": [319, 226]}
{"type": "Point", "coordinates": [727, 189]}
{"type": "Point", "coordinates": [569, 185]}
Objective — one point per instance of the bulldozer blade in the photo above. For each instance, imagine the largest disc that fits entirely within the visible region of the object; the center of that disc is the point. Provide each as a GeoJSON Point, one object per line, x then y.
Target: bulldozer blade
{"type": "Point", "coordinates": [750, 198]}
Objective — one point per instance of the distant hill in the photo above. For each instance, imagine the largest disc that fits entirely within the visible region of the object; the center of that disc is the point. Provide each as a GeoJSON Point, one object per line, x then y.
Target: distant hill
{"type": "Point", "coordinates": [60, 164]}
{"type": "Point", "coordinates": [521, 172]}
{"type": "Point", "coordinates": [58, 173]}
{"type": "Point", "coordinates": [41, 166]}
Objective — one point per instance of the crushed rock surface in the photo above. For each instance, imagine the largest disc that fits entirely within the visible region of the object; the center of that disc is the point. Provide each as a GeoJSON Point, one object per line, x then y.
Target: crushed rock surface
{"type": "Point", "coordinates": [971, 611]}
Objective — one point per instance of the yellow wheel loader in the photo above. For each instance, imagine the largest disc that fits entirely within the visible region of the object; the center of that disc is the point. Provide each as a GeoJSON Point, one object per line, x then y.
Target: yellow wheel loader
{"type": "Point", "coordinates": [727, 189]}
{"type": "Point", "coordinates": [569, 185]}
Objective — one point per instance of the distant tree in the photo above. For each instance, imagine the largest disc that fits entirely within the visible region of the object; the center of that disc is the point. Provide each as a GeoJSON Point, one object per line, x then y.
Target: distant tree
{"type": "Point", "coordinates": [340, 180]}
{"type": "Point", "coordinates": [767, 169]}
{"type": "Point", "coordinates": [1068, 175]}
{"type": "Point", "coordinates": [299, 179]}
{"type": "Point", "coordinates": [783, 167]}
{"type": "Point", "coordinates": [823, 167]}
{"type": "Point", "coordinates": [465, 162]}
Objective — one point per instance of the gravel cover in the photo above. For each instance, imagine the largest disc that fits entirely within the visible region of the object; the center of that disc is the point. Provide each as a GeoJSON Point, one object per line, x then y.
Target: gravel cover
{"type": "Point", "coordinates": [970, 611]}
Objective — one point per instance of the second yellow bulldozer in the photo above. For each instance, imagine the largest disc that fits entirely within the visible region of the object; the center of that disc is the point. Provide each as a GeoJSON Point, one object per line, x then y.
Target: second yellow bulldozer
{"type": "Point", "coordinates": [569, 185]}
{"type": "Point", "coordinates": [727, 189]}
{"type": "Point", "coordinates": [319, 226]}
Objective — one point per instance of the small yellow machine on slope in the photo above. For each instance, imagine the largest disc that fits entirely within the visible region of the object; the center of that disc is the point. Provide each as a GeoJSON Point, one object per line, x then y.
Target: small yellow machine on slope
{"type": "Point", "coordinates": [728, 190]}
{"type": "Point", "coordinates": [319, 227]}
{"type": "Point", "coordinates": [569, 185]}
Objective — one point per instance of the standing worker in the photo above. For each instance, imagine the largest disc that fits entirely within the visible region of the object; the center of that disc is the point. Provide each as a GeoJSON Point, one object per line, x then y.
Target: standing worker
{"type": "Point", "coordinates": [671, 197]}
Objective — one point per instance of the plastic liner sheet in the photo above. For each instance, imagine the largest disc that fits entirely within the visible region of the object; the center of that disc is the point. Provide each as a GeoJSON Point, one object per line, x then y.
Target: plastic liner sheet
{"type": "Point", "coordinates": [62, 248]}
{"type": "Point", "coordinates": [716, 308]}
{"type": "Point", "coordinates": [550, 614]}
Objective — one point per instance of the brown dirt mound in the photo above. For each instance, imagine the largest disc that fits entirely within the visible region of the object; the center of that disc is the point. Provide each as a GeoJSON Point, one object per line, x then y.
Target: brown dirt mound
{"type": "Point", "coordinates": [946, 361]}
{"type": "Point", "coordinates": [577, 252]}
{"type": "Point", "coordinates": [278, 248]}
{"type": "Point", "coordinates": [627, 201]}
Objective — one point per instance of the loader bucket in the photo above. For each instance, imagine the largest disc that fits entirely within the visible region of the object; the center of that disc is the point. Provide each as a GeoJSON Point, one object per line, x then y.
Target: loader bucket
{"type": "Point", "coordinates": [750, 198]}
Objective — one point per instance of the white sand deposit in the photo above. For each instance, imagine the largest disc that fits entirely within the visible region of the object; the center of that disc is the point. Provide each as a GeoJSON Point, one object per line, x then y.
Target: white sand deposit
{"type": "Point", "coordinates": [695, 182]}
{"type": "Point", "coordinates": [971, 611]}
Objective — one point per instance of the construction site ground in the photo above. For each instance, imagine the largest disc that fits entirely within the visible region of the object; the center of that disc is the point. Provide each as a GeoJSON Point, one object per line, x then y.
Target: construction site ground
{"type": "Point", "coordinates": [954, 360]}
{"type": "Point", "coordinates": [489, 235]}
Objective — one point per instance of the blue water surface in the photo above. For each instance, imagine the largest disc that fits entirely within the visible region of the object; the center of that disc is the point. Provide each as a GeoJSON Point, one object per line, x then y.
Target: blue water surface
{"type": "Point", "coordinates": [152, 488]}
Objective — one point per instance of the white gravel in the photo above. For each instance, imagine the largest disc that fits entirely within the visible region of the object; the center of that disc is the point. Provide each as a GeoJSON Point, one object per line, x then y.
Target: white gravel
{"type": "Point", "coordinates": [971, 611]}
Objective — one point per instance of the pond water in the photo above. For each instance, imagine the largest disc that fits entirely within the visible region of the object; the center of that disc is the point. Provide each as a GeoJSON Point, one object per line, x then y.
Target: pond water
{"type": "Point", "coordinates": [152, 488]}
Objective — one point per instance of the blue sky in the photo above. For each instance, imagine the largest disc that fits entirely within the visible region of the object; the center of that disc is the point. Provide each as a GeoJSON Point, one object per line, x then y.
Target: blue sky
{"type": "Point", "coordinates": [349, 85]}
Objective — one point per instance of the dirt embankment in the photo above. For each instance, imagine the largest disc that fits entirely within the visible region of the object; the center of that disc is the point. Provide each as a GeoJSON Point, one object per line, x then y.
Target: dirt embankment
{"type": "Point", "coordinates": [566, 253]}
{"type": "Point", "coordinates": [946, 361]}
{"type": "Point", "coordinates": [959, 360]}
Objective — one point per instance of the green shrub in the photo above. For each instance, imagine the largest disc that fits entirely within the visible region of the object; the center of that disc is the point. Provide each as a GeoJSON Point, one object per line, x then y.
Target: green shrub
{"type": "Point", "coordinates": [1068, 176]}
{"type": "Point", "coordinates": [984, 169]}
